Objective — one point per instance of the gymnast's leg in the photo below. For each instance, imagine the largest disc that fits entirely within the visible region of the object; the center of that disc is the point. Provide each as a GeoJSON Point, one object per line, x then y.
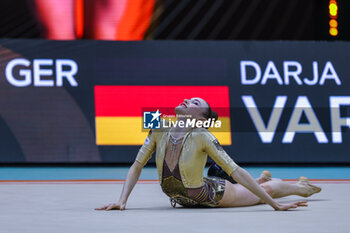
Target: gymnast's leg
{"type": "Point", "coordinates": [216, 171]}
{"type": "Point", "coordinates": [236, 195]}
{"type": "Point", "coordinates": [102, 18]}
{"type": "Point", "coordinates": [56, 18]}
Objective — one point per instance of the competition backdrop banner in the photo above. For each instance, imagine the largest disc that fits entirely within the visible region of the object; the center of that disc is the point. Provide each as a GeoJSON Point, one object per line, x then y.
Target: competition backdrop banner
{"type": "Point", "coordinates": [119, 110]}
{"type": "Point", "coordinates": [85, 101]}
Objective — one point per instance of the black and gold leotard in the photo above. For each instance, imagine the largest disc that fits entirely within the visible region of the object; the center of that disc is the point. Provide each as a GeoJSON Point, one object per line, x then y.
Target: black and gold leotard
{"type": "Point", "coordinates": [207, 195]}
{"type": "Point", "coordinates": [180, 166]}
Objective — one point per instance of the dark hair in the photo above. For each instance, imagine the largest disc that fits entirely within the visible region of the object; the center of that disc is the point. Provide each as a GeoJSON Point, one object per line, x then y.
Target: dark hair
{"type": "Point", "coordinates": [210, 114]}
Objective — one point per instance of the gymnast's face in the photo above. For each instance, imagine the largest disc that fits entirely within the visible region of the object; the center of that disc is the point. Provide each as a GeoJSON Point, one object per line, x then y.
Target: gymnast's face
{"type": "Point", "coordinates": [194, 107]}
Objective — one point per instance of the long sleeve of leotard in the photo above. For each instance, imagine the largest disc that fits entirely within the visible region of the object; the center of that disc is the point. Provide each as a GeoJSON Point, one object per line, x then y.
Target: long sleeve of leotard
{"type": "Point", "coordinates": [218, 154]}
{"type": "Point", "coordinates": [147, 149]}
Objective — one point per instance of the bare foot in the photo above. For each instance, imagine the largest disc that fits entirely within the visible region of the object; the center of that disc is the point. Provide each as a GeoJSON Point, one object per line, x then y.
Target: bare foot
{"type": "Point", "coordinates": [307, 189]}
{"type": "Point", "coordinates": [264, 177]}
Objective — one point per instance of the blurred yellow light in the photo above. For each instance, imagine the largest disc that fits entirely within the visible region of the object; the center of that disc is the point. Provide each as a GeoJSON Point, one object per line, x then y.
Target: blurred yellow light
{"type": "Point", "coordinates": [333, 9]}
{"type": "Point", "coordinates": [333, 31]}
{"type": "Point", "coordinates": [333, 23]}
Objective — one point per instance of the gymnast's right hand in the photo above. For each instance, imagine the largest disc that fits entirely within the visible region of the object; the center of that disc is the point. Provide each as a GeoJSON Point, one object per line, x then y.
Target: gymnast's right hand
{"type": "Point", "coordinates": [113, 206]}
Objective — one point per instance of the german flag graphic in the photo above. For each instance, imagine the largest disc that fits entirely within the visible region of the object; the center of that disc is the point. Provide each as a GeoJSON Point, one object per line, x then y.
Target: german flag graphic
{"type": "Point", "coordinates": [119, 110]}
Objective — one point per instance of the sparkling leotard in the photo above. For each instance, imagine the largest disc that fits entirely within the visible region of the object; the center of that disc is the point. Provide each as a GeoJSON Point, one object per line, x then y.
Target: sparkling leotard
{"type": "Point", "coordinates": [181, 170]}
{"type": "Point", "coordinates": [208, 195]}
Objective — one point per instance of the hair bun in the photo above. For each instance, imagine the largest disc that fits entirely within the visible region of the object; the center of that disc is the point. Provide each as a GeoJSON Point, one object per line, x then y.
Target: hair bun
{"type": "Point", "coordinates": [214, 115]}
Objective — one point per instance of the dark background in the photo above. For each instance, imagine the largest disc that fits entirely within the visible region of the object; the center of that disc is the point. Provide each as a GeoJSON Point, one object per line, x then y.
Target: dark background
{"type": "Point", "coordinates": [291, 20]}
{"type": "Point", "coordinates": [57, 124]}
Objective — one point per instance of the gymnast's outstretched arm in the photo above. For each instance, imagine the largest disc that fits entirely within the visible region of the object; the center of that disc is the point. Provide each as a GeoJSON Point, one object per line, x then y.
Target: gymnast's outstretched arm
{"type": "Point", "coordinates": [129, 184]}
{"type": "Point", "coordinates": [144, 154]}
{"type": "Point", "coordinates": [245, 179]}
{"type": "Point", "coordinates": [217, 153]}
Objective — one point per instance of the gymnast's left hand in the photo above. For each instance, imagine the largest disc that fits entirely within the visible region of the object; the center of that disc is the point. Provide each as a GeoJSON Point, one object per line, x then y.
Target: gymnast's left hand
{"type": "Point", "coordinates": [292, 205]}
{"type": "Point", "coordinates": [113, 206]}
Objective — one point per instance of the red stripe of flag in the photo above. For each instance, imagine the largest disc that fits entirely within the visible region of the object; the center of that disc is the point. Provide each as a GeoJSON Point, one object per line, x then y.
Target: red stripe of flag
{"type": "Point", "coordinates": [131, 100]}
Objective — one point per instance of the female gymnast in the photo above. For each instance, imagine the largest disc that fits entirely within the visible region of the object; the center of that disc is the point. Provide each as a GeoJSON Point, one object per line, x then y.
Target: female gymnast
{"type": "Point", "coordinates": [181, 155]}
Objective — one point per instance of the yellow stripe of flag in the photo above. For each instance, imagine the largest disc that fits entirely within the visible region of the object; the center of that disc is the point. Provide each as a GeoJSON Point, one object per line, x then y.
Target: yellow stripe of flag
{"type": "Point", "coordinates": [129, 131]}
